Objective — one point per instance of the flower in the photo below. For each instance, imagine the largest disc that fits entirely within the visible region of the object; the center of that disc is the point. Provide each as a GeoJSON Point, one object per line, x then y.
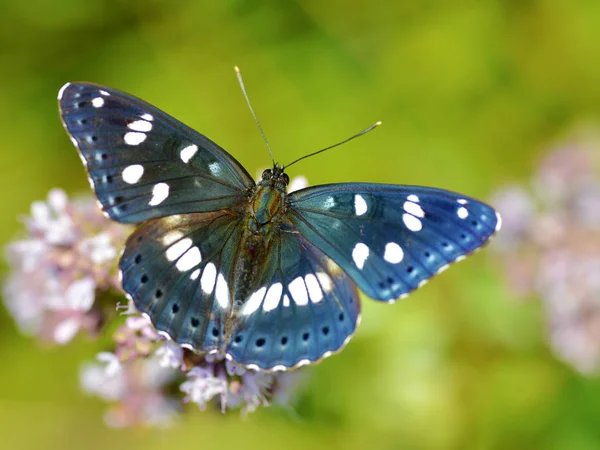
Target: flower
{"type": "Point", "coordinates": [136, 338]}
{"type": "Point", "coordinates": [67, 257]}
{"type": "Point", "coordinates": [170, 355]}
{"type": "Point", "coordinates": [104, 378]}
{"type": "Point", "coordinates": [136, 390]}
{"type": "Point", "coordinates": [550, 246]}
{"type": "Point", "coordinates": [232, 385]}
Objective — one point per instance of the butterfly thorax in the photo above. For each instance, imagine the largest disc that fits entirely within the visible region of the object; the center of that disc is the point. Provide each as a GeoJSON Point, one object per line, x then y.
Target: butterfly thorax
{"type": "Point", "coordinates": [268, 200]}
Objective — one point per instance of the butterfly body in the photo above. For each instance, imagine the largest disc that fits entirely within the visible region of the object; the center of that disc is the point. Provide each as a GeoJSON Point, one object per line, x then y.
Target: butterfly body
{"type": "Point", "coordinates": [262, 219]}
{"type": "Point", "coordinates": [224, 265]}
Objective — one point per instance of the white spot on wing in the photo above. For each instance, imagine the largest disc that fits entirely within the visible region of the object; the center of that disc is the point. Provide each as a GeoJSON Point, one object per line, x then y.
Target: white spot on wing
{"type": "Point", "coordinates": [360, 253]}
{"type": "Point", "coordinates": [325, 281]}
{"type": "Point", "coordinates": [178, 249]}
{"type": "Point", "coordinates": [171, 237]}
{"type": "Point", "coordinates": [209, 275]}
{"type": "Point", "coordinates": [160, 192]}
{"type": "Point", "coordinates": [414, 209]}
{"type": "Point", "coordinates": [413, 198]}
{"type": "Point", "coordinates": [103, 92]}
{"type": "Point", "coordinates": [462, 201]}
{"type": "Point", "coordinates": [134, 138]}
{"type": "Point", "coordinates": [273, 296]}
{"type": "Point", "coordinates": [254, 302]}
{"type": "Point", "coordinates": [412, 223]}
{"type": "Point", "coordinates": [314, 290]}
{"type": "Point", "coordinates": [195, 274]}
{"type": "Point", "coordinates": [62, 90]}
{"type": "Point", "coordinates": [215, 168]}
{"type": "Point", "coordinates": [147, 116]}
{"type": "Point", "coordinates": [222, 292]}
{"type": "Point", "coordinates": [98, 102]}
{"type": "Point", "coordinates": [286, 301]}
{"type": "Point", "coordinates": [393, 253]}
{"type": "Point", "coordinates": [139, 125]}
{"type": "Point", "coordinates": [360, 205]}
{"type": "Point", "coordinates": [188, 153]}
{"type": "Point", "coordinates": [462, 212]}
{"type": "Point", "coordinates": [298, 291]}
{"type": "Point", "coordinates": [499, 222]}
{"type": "Point", "coordinates": [329, 202]}
{"type": "Point", "coordinates": [189, 259]}
{"type": "Point", "coordinates": [132, 174]}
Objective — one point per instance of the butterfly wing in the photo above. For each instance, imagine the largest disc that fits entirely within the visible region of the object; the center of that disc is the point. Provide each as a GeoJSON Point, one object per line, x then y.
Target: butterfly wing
{"type": "Point", "coordinates": [391, 239]}
{"type": "Point", "coordinates": [143, 163]}
{"type": "Point", "coordinates": [177, 270]}
{"type": "Point", "coordinates": [303, 308]}
{"type": "Point", "coordinates": [181, 272]}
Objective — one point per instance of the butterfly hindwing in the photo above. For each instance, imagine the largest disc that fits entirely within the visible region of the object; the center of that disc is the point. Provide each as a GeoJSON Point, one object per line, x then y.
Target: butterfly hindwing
{"type": "Point", "coordinates": [391, 239]}
{"type": "Point", "coordinates": [143, 163]}
{"type": "Point", "coordinates": [181, 272]}
{"type": "Point", "coordinates": [177, 271]}
{"type": "Point", "coordinates": [303, 308]}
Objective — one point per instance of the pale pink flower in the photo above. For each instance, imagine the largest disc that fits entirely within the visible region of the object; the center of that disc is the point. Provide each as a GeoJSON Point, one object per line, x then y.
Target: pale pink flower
{"type": "Point", "coordinates": [550, 245]}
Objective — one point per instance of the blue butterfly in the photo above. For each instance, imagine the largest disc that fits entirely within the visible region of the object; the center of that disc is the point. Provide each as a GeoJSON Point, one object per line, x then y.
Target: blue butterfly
{"type": "Point", "coordinates": [224, 265]}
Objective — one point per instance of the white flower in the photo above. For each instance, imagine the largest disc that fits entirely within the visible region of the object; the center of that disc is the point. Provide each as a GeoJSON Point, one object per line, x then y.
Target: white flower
{"type": "Point", "coordinates": [51, 221]}
{"type": "Point", "coordinates": [72, 304]}
{"type": "Point", "coordinates": [170, 355]}
{"type": "Point", "coordinates": [99, 248]}
{"type": "Point", "coordinates": [105, 379]}
{"type": "Point", "coordinates": [202, 386]}
{"type": "Point", "coordinates": [234, 368]}
{"type": "Point", "coordinates": [142, 325]}
{"type": "Point", "coordinates": [57, 269]}
{"type": "Point", "coordinates": [79, 296]}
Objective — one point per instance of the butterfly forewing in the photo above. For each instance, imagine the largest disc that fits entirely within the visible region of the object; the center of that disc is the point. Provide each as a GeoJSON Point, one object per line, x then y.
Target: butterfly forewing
{"type": "Point", "coordinates": [144, 164]}
{"type": "Point", "coordinates": [391, 239]}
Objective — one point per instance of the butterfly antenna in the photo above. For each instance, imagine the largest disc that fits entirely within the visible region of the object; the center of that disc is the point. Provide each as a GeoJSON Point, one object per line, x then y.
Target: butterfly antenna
{"type": "Point", "coordinates": [365, 131]}
{"type": "Point", "coordinates": [241, 81]}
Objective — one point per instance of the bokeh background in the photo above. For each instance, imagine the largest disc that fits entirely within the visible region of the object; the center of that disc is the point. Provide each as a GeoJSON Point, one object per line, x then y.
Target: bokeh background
{"type": "Point", "coordinates": [471, 93]}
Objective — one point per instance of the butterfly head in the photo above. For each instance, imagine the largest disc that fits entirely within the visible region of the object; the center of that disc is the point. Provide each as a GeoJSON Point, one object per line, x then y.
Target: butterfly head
{"type": "Point", "coordinates": [275, 178]}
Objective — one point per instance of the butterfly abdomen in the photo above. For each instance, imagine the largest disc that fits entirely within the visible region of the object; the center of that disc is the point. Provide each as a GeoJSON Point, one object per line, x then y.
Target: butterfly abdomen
{"type": "Point", "coordinates": [254, 248]}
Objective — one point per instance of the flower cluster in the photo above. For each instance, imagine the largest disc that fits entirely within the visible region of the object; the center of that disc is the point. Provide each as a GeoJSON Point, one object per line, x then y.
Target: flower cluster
{"type": "Point", "coordinates": [68, 257]}
{"type": "Point", "coordinates": [64, 281]}
{"type": "Point", "coordinates": [550, 246]}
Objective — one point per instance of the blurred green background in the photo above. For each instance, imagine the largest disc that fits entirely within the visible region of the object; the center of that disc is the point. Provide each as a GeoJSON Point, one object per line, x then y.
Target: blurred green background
{"type": "Point", "coordinates": [471, 92]}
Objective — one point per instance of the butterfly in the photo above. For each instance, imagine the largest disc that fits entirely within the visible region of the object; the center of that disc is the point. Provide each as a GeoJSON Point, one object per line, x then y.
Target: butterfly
{"type": "Point", "coordinates": [225, 265]}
